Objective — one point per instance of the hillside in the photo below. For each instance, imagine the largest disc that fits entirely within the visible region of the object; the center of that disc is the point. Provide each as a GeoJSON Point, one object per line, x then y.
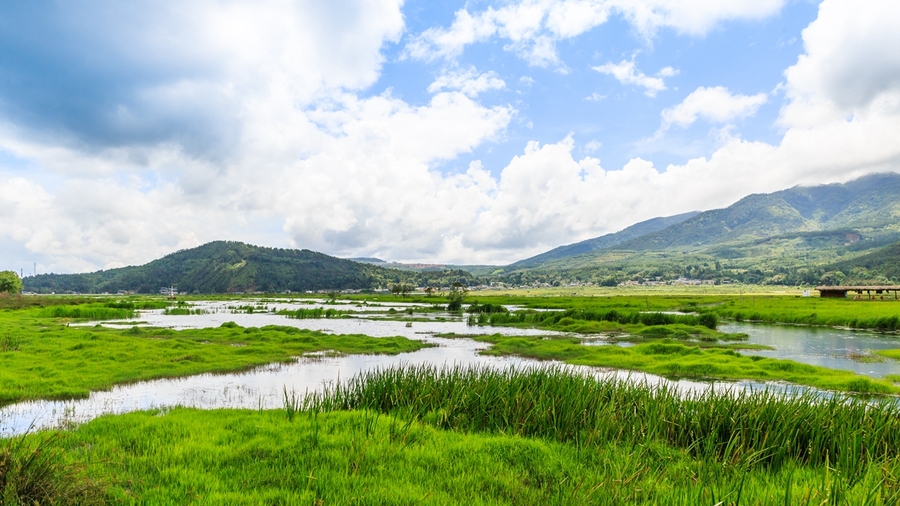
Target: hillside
{"type": "Point", "coordinates": [880, 266]}
{"type": "Point", "coordinates": [871, 202]}
{"type": "Point", "coordinates": [227, 267]}
{"type": "Point", "coordinates": [792, 236]}
{"type": "Point", "coordinates": [602, 242]}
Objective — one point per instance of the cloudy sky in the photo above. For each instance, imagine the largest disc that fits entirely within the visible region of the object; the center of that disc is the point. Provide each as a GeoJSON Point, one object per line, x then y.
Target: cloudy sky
{"type": "Point", "coordinates": [465, 132]}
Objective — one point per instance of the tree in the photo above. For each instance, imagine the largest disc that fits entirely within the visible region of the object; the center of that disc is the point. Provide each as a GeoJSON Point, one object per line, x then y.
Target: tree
{"type": "Point", "coordinates": [10, 282]}
{"type": "Point", "coordinates": [456, 296]}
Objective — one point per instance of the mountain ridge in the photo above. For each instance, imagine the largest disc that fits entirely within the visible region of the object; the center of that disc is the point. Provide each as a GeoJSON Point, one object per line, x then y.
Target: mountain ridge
{"type": "Point", "coordinates": [230, 266]}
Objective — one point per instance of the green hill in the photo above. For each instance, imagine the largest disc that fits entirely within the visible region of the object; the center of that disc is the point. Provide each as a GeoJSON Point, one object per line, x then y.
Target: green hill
{"type": "Point", "coordinates": [228, 267]}
{"type": "Point", "coordinates": [871, 203]}
{"type": "Point", "coordinates": [880, 266]}
{"type": "Point", "coordinates": [602, 242]}
{"type": "Point", "coordinates": [791, 236]}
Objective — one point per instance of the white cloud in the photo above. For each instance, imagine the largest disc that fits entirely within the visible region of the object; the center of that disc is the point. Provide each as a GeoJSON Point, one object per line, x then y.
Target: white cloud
{"type": "Point", "coordinates": [533, 27]}
{"type": "Point", "coordinates": [314, 165]}
{"type": "Point", "coordinates": [626, 72]}
{"type": "Point", "coordinates": [470, 82]}
{"type": "Point", "coordinates": [851, 63]}
{"type": "Point", "coordinates": [715, 104]}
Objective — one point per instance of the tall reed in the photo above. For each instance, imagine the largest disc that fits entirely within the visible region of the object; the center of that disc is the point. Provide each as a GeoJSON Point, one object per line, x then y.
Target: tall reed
{"type": "Point", "coordinates": [33, 470]}
{"type": "Point", "coordinates": [709, 320]}
{"type": "Point", "coordinates": [86, 312]}
{"type": "Point", "coordinates": [754, 429]}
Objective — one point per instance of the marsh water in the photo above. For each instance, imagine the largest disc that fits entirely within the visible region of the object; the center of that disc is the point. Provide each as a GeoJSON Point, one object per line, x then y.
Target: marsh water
{"type": "Point", "coordinates": [822, 346]}
{"type": "Point", "coordinates": [264, 387]}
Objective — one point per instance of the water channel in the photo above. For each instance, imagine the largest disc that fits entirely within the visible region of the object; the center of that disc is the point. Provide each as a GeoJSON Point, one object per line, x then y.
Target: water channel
{"type": "Point", "coordinates": [263, 388]}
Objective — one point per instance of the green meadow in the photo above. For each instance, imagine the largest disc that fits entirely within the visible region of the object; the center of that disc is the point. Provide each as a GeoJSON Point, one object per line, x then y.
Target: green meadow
{"type": "Point", "coordinates": [43, 356]}
{"type": "Point", "coordinates": [470, 436]}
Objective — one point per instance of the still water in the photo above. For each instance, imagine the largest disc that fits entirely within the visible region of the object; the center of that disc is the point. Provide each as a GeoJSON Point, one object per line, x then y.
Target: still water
{"type": "Point", "coordinates": [827, 347]}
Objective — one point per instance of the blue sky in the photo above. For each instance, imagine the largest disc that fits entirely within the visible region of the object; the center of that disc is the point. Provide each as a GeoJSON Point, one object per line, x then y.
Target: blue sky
{"type": "Point", "coordinates": [464, 132]}
{"type": "Point", "coordinates": [745, 56]}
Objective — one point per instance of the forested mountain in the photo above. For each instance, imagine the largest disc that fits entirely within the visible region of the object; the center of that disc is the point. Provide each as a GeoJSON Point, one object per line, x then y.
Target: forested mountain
{"type": "Point", "coordinates": [880, 266]}
{"type": "Point", "coordinates": [604, 241]}
{"type": "Point", "coordinates": [227, 267]}
{"type": "Point", "coordinates": [791, 236]}
{"type": "Point", "coordinates": [871, 202]}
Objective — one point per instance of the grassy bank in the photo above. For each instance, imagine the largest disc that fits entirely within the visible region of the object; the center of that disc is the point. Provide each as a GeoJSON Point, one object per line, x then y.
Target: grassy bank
{"type": "Point", "coordinates": [674, 359]}
{"type": "Point", "coordinates": [423, 436]}
{"type": "Point", "coordinates": [43, 359]}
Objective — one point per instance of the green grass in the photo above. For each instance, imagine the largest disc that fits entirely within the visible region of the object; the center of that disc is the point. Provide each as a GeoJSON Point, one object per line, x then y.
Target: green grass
{"type": "Point", "coordinates": [42, 359]}
{"type": "Point", "coordinates": [86, 312]}
{"type": "Point", "coordinates": [470, 436]}
{"type": "Point", "coordinates": [674, 359]}
{"type": "Point", "coordinates": [34, 470]}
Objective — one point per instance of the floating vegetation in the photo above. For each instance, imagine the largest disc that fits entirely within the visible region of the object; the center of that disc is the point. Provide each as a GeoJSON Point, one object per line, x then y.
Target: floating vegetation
{"type": "Point", "coordinates": [301, 314]}
{"type": "Point", "coordinates": [86, 312]}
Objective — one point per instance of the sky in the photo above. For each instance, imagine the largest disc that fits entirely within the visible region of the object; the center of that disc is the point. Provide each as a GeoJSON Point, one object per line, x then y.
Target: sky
{"type": "Point", "coordinates": [478, 132]}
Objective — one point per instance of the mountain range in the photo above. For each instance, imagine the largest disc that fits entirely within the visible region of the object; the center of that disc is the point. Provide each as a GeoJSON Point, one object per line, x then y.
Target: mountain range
{"type": "Point", "coordinates": [789, 236]}
{"type": "Point", "coordinates": [803, 235]}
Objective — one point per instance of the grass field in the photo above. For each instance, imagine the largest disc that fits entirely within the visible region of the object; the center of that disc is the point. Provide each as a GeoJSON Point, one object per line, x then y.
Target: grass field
{"type": "Point", "coordinates": [42, 357]}
{"type": "Point", "coordinates": [422, 436]}
{"type": "Point", "coordinates": [751, 304]}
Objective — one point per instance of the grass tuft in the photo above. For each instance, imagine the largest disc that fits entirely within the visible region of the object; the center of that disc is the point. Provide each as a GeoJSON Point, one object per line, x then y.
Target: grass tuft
{"type": "Point", "coordinates": [33, 470]}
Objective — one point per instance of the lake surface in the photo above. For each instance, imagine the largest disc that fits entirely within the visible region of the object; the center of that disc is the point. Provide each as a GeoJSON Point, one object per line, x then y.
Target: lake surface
{"type": "Point", "coordinates": [263, 388]}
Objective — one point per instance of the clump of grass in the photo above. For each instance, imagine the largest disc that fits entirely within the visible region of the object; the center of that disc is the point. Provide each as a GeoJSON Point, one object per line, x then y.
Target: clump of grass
{"type": "Point", "coordinates": [33, 470]}
{"type": "Point", "coordinates": [86, 312]}
{"type": "Point", "coordinates": [301, 314]}
{"type": "Point", "coordinates": [760, 429]}
{"type": "Point", "coordinates": [9, 343]}
{"type": "Point", "coordinates": [292, 404]}
{"type": "Point", "coordinates": [183, 311]}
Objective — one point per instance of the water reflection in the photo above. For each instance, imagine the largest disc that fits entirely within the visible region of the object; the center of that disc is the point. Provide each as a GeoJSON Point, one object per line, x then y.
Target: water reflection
{"type": "Point", "coordinates": [822, 346]}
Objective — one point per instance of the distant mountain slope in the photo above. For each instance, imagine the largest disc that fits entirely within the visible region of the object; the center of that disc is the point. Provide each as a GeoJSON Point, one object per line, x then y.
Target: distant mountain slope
{"type": "Point", "coordinates": [869, 202]}
{"type": "Point", "coordinates": [604, 241]}
{"type": "Point", "coordinates": [880, 265]}
{"type": "Point", "coordinates": [225, 266]}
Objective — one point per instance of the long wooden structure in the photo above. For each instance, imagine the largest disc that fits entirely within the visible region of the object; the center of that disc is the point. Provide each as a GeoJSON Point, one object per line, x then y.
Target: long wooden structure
{"type": "Point", "coordinates": [871, 291]}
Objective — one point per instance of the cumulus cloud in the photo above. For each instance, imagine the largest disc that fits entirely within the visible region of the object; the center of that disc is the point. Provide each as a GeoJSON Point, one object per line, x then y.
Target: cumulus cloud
{"type": "Point", "coordinates": [626, 72]}
{"type": "Point", "coordinates": [470, 82]}
{"type": "Point", "coordinates": [715, 104]}
{"type": "Point", "coordinates": [303, 157]}
{"type": "Point", "coordinates": [107, 74]}
{"type": "Point", "coordinates": [851, 63]}
{"type": "Point", "coordinates": [533, 27]}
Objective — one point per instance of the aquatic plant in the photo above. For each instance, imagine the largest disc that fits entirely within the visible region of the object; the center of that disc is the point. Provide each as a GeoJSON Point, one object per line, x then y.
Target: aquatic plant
{"type": "Point", "coordinates": [33, 470]}
{"type": "Point", "coordinates": [86, 312]}
{"type": "Point", "coordinates": [758, 429]}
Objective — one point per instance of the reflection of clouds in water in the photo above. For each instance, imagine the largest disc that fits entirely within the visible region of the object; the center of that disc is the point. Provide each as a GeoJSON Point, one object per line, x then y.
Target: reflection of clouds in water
{"type": "Point", "coordinates": [821, 346]}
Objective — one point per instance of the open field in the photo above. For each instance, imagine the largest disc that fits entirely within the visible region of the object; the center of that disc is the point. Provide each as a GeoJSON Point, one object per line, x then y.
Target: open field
{"type": "Point", "coordinates": [419, 436]}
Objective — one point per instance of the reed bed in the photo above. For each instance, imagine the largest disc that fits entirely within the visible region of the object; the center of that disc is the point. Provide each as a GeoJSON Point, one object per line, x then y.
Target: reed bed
{"type": "Point", "coordinates": [755, 429]}
{"type": "Point", "coordinates": [33, 470]}
{"type": "Point", "coordinates": [86, 312]}
{"type": "Point", "coordinates": [302, 314]}
{"type": "Point", "coordinates": [708, 320]}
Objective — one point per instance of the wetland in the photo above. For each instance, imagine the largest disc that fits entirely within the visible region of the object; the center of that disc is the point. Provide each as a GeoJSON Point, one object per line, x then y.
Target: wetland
{"type": "Point", "coordinates": [90, 372]}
